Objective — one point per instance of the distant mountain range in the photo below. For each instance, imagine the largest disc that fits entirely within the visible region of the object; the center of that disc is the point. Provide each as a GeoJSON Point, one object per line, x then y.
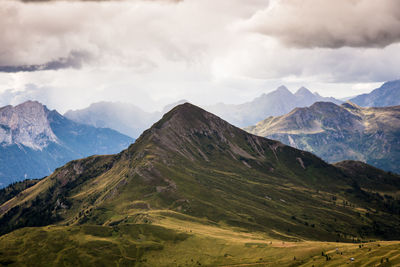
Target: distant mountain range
{"type": "Point", "coordinates": [34, 141]}
{"type": "Point", "coordinates": [340, 132]}
{"type": "Point", "coordinates": [194, 171]}
{"type": "Point", "coordinates": [386, 95]}
{"type": "Point", "coordinates": [276, 103]}
{"type": "Point", "coordinates": [132, 120]}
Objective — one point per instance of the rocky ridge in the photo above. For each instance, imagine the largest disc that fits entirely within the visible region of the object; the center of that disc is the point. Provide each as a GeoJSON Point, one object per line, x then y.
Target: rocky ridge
{"type": "Point", "coordinates": [336, 133]}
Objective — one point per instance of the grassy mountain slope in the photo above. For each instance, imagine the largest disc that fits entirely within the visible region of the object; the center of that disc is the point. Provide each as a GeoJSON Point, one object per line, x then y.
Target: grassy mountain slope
{"type": "Point", "coordinates": [338, 133]}
{"type": "Point", "coordinates": [196, 174]}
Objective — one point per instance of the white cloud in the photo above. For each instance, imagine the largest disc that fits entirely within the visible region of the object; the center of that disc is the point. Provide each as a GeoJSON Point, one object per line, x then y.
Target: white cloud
{"type": "Point", "coordinates": [261, 57]}
{"type": "Point", "coordinates": [330, 23]}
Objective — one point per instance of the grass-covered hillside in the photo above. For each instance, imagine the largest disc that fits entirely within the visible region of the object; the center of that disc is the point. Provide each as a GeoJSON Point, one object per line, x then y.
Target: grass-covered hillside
{"type": "Point", "coordinates": [195, 190]}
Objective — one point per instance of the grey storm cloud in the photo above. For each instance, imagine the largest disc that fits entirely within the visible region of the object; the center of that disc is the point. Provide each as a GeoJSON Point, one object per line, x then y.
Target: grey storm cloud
{"type": "Point", "coordinates": [74, 60]}
{"type": "Point", "coordinates": [66, 34]}
{"type": "Point", "coordinates": [330, 23]}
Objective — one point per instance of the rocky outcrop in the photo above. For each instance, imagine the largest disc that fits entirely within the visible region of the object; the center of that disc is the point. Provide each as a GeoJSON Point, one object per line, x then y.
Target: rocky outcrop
{"type": "Point", "coordinates": [26, 124]}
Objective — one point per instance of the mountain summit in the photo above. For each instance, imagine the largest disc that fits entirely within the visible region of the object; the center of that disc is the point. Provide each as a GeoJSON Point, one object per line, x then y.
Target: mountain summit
{"type": "Point", "coordinates": [304, 92]}
{"type": "Point", "coordinates": [283, 90]}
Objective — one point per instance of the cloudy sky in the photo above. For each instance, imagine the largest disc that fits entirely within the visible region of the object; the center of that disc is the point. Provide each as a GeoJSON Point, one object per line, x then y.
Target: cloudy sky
{"type": "Point", "coordinates": [68, 54]}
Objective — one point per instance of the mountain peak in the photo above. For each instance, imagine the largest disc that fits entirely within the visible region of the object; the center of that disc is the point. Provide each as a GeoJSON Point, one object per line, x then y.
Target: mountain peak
{"type": "Point", "coordinates": [193, 132]}
{"type": "Point", "coordinates": [186, 115]}
{"type": "Point", "coordinates": [302, 91]}
{"type": "Point", "coordinates": [184, 108]}
{"type": "Point", "coordinates": [172, 105]}
{"type": "Point", "coordinates": [31, 105]}
{"type": "Point", "coordinates": [282, 89]}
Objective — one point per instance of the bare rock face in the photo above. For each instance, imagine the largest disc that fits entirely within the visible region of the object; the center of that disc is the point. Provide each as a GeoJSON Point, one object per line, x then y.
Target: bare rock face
{"type": "Point", "coordinates": [26, 124]}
